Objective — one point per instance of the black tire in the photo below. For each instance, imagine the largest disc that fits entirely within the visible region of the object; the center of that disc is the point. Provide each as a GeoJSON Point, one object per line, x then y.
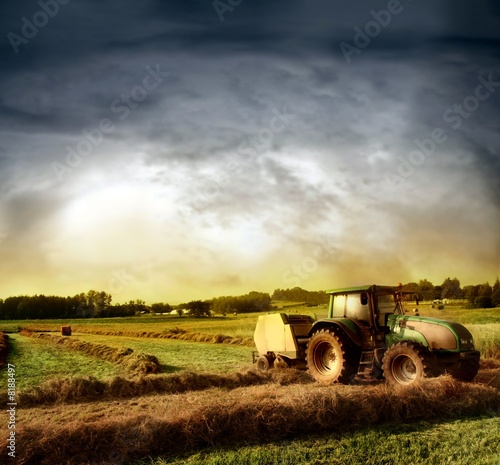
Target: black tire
{"type": "Point", "coordinates": [329, 358]}
{"type": "Point", "coordinates": [465, 370]}
{"type": "Point", "coordinates": [405, 363]}
{"type": "Point", "coordinates": [265, 363]}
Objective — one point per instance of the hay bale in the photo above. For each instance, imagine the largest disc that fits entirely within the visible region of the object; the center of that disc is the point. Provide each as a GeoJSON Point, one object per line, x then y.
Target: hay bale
{"type": "Point", "coordinates": [65, 330]}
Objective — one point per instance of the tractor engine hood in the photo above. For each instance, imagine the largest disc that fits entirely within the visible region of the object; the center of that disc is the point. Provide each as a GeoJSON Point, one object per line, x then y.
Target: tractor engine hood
{"type": "Point", "coordinates": [439, 334]}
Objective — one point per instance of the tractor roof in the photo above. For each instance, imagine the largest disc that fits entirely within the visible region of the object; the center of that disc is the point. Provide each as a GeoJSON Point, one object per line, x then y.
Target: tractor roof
{"type": "Point", "coordinates": [348, 290]}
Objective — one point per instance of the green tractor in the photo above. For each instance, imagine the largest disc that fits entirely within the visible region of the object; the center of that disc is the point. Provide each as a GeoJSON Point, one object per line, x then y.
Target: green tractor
{"type": "Point", "coordinates": [367, 334]}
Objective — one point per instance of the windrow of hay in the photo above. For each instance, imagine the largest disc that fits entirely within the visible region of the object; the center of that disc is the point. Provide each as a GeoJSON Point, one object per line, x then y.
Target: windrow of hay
{"type": "Point", "coordinates": [4, 348]}
{"type": "Point", "coordinates": [84, 389]}
{"type": "Point", "coordinates": [174, 333]}
{"type": "Point", "coordinates": [249, 420]}
{"type": "Point", "coordinates": [171, 333]}
{"type": "Point", "coordinates": [134, 362]}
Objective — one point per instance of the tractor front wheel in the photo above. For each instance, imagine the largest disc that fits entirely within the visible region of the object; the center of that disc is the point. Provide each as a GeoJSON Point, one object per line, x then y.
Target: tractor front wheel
{"type": "Point", "coordinates": [327, 361]}
{"type": "Point", "coordinates": [405, 363]}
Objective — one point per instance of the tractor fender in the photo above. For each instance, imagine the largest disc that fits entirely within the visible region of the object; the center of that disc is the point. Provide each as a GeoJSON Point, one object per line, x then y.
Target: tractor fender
{"type": "Point", "coordinates": [344, 324]}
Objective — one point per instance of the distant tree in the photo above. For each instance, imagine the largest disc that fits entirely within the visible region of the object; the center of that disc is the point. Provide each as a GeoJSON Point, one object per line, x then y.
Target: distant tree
{"type": "Point", "coordinates": [136, 306]}
{"type": "Point", "coordinates": [484, 297]}
{"type": "Point", "coordinates": [298, 294]}
{"type": "Point", "coordinates": [252, 302]}
{"type": "Point", "coordinates": [411, 287]}
{"type": "Point", "coordinates": [436, 294]}
{"type": "Point", "coordinates": [495, 295]}
{"type": "Point", "coordinates": [223, 305]}
{"type": "Point", "coordinates": [470, 293]}
{"type": "Point", "coordinates": [160, 307]}
{"type": "Point", "coordinates": [97, 303]}
{"type": "Point", "coordinates": [426, 289]}
{"type": "Point", "coordinates": [479, 296]}
{"type": "Point", "coordinates": [198, 308]}
{"type": "Point", "coordinates": [450, 289]}
{"type": "Point", "coordinates": [10, 306]}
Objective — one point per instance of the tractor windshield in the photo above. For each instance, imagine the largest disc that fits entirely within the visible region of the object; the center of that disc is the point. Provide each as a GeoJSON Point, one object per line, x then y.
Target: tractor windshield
{"type": "Point", "coordinates": [386, 303]}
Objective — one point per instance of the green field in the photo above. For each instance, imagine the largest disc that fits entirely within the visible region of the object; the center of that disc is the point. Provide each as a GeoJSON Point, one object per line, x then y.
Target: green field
{"type": "Point", "coordinates": [36, 361]}
{"type": "Point", "coordinates": [182, 355]}
{"type": "Point", "coordinates": [416, 444]}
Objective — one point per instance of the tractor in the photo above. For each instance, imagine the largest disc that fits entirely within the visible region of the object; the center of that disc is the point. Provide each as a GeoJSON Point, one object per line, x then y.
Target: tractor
{"type": "Point", "coordinates": [367, 334]}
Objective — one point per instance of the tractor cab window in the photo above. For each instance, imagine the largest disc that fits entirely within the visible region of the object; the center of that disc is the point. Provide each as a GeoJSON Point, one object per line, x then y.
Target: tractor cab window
{"type": "Point", "coordinates": [351, 306]}
{"type": "Point", "coordinates": [339, 306]}
{"type": "Point", "coordinates": [385, 305]}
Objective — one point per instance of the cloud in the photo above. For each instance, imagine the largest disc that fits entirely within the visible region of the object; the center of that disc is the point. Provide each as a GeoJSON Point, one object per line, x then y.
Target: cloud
{"type": "Point", "coordinates": [195, 194]}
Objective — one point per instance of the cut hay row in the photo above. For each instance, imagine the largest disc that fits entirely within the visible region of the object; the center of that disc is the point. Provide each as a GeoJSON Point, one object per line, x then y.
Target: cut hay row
{"type": "Point", "coordinates": [249, 419]}
{"type": "Point", "coordinates": [86, 389]}
{"type": "Point", "coordinates": [134, 362]}
{"type": "Point", "coordinates": [89, 389]}
{"type": "Point", "coordinates": [174, 333]}
{"type": "Point", "coordinates": [4, 348]}
{"type": "Point", "coordinates": [171, 333]}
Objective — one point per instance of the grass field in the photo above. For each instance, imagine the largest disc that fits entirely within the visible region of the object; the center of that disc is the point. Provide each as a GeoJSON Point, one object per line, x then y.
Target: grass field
{"type": "Point", "coordinates": [37, 361]}
{"type": "Point", "coordinates": [182, 355]}
{"type": "Point", "coordinates": [421, 443]}
{"type": "Point", "coordinates": [190, 412]}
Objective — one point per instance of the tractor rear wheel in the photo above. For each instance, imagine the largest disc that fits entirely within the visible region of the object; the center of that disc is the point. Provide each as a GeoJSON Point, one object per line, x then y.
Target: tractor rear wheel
{"type": "Point", "coordinates": [405, 363]}
{"type": "Point", "coordinates": [327, 361]}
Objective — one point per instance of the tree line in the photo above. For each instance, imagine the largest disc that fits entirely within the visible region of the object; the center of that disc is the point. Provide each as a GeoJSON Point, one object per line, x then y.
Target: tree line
{"type": "Point", "coordinates": [477, 296]}
{"type": "Point", "coordinates": [95, 304]}
{"type": "Point", "coordinates": [298, 294]}
{"type": "Point", "coordinates": [92, 304]}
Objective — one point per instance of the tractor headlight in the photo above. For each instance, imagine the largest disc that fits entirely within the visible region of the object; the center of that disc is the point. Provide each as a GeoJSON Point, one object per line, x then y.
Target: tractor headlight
{"type": "Point", "coordinates": [466, 342]}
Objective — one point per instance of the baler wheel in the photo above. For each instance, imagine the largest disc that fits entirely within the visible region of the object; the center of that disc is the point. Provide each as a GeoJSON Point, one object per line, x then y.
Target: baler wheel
{"type": "Point", "coordinates": [265, 363]}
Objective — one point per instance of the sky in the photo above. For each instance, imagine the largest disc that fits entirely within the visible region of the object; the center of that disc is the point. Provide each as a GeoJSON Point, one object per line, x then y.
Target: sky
{"type": "Point", "coordinates": [179, 150]}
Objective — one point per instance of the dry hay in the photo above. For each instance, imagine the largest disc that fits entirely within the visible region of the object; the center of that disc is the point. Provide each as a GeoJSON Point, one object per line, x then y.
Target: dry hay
{"type": "Point", "coordinates": [172, 333]}
{"type": "Point", "coordinates": [247, 419]}
{"type": "Point", "coordinates": [489, 373]}
{"type": "Point", "coordinates": [84, 389]}
{"type": "Point", "coordinates": [133, 362]}
{"type": "Point", "coordinates": [4, 348]}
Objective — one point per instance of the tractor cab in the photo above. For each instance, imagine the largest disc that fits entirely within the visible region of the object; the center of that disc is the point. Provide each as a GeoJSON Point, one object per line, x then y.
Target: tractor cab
{"type": "Point", "coordinates": [368, 305]}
